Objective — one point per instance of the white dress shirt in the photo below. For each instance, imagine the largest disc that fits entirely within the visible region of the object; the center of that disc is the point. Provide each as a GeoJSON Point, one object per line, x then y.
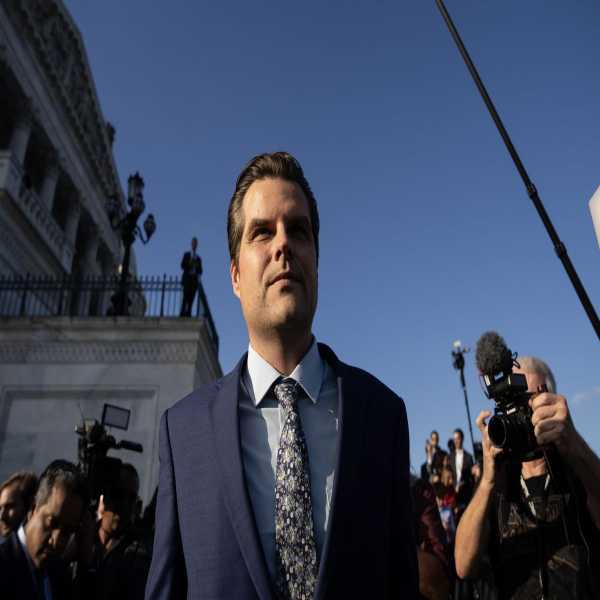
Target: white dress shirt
{"type": "Point", "coordinates": [260, 430]}
{"type": "Point", "coordinates": [459, 457]}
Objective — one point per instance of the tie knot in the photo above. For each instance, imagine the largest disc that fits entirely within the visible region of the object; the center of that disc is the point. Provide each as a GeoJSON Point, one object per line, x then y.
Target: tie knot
{"type": "Point", "coordinates": [286, 392]}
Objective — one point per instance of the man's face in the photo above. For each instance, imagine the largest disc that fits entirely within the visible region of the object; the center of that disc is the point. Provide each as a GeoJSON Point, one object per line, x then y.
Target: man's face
{"type": "Point", "coordinates": [276, 275]}
{"type": "Point", "coordinates": [458, 440]}
{"type": "Point", "coordinates": [118, 505]}
{"type": "Point", "coordinates": [12, 509]}
{"type": "Point", "coordinates": [434, 439]}
{"type": "Point", "coordinates": [194, 244]}
{"type": "Point", "coordinates": [51, 525]}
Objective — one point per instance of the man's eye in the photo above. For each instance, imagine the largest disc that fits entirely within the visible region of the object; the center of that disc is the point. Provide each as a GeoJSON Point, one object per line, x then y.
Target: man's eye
{"type": "Point", "coordinates": [300, 230]}
{"type": "Point", "coordinates": [260, 233]}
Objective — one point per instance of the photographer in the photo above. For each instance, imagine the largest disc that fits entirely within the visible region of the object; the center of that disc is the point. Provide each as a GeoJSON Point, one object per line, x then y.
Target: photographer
{"type": "Point", "coordinates": [431, 469]}
{"type": "Point", "coordinates": [538, 519]}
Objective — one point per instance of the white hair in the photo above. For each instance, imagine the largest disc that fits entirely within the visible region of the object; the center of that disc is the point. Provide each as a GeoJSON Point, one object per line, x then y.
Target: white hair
{"type": "Point", "coordinates": [532, 364]}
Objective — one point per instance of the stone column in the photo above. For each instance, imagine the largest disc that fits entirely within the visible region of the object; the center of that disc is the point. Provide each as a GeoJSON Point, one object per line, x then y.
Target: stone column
{"type": "Point", "coordinates": [20, 136]}
{"type": "Point", "coordinates": [72, 220]}
{"type": "Point", "coordinates": [48, 189]}
{"type": "Point", "coordinates": [71, 225]}
{"type": "Point", "coordinates": [108, 272]}
{"type": "Point", "coordinates": [90, 251]}
{"type": "Point", "coordinates": [88, 296]}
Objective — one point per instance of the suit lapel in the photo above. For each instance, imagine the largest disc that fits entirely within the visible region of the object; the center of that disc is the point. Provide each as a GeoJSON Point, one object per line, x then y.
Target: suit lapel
{"type": "Point", "coordinates": [226, 432]}
{"type": "Point", "coordinates": [22, 575]}
{"type": "Point", "coordinates": [351, 410]}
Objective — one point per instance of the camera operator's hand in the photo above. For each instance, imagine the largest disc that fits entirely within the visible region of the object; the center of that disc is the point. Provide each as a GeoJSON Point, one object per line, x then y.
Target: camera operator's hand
{"type": "Point", "coordinates": [490, 452]}
{"type": "Point", "coordinates": [552, 422]}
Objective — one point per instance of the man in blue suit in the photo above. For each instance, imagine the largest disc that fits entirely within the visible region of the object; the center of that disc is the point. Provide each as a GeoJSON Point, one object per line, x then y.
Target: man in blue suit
{"type": "Point", "coordinates": [288, 478]}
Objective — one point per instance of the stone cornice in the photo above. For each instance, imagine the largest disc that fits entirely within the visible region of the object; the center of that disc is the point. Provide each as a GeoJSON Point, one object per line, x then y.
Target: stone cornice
{"type": "Point", "coordinates": [60, 50]}
{"type": "Point", "coordinates": [101, 340]}
{"type": "Point", "coordinates": [82, 352]}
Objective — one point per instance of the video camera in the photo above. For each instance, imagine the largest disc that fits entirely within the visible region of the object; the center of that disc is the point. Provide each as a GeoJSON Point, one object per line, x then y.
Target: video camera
{"type": "Point", "coordinates": [94, 442]}
{"type": "Point", "coordinates": [510, 428]}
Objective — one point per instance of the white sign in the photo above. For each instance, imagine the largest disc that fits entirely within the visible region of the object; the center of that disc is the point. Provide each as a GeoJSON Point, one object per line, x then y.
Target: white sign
{"type": "Point", "coordinates": [595, 210]}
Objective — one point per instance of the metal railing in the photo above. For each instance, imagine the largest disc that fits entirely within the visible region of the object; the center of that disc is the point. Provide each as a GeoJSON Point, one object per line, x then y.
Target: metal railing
{"type": "Point", "coordinates": [32, 296]}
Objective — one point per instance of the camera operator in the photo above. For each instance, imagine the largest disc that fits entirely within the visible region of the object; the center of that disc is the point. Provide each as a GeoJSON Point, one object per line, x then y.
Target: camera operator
{"type": "Point", "coordinates": [539, 521]}
{"type": "Point", "coordinates": [119, 560]}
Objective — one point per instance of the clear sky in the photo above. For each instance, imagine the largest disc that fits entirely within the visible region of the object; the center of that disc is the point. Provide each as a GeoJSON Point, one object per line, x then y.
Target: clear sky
{"type": "Point", "coordinates": [427, 234]}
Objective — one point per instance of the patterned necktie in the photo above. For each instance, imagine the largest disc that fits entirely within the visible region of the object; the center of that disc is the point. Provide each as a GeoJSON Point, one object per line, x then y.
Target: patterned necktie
{"type": "Point", "coordinates": [296, 551]}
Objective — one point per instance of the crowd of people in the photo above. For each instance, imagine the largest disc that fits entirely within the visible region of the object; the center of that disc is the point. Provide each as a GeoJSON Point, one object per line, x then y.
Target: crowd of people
{"type": "Point", "coordinates": [447, 481]}
{"type": "Point", "coordinates": [506, 524]}
{"type": "Point", "coordinates": [59, 543]}
{"type": "Point", "coordinates": [478, 534]}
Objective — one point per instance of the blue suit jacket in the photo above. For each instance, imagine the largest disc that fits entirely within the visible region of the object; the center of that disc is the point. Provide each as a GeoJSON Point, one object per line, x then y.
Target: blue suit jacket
{"type": "Point", "coordinates": [206, 542]}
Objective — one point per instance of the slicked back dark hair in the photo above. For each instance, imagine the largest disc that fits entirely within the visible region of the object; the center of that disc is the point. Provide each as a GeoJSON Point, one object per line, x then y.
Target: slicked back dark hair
{"type": "Point", "coordinates": [63, 473]}
{"type": "Point", "coordinates": [277, 165]}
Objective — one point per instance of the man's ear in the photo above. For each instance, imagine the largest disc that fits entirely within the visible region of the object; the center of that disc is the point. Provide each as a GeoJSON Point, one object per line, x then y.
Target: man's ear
{"type": "Point", "coordinates": [235, 277]}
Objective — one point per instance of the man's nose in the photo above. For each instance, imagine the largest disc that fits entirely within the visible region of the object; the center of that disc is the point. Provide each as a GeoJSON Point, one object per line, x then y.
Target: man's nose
{"type": "Point", "coordinates": [282, 244]}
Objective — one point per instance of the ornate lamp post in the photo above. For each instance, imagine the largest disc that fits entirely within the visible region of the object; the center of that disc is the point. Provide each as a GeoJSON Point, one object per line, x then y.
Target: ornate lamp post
{"type": "Point", "coordinates": [129, 230]}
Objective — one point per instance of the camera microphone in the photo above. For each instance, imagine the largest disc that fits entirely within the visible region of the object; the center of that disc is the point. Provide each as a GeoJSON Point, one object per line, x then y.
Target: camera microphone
{"type": "Point", "coordinates": [492, 356]}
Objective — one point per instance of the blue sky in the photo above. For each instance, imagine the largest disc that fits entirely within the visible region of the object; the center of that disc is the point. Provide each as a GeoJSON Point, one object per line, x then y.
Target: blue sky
{"type": "Point", "coordinates": [427, 234]}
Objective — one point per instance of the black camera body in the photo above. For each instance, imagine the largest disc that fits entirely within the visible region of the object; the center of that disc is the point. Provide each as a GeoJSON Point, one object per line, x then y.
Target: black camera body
{"type": "Point", "coordinates": [510, 428]}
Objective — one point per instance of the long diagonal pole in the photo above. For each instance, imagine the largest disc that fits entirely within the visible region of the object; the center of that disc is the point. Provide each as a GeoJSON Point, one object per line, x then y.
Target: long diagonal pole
{"type": "Point", "coordinates": [559, 247]}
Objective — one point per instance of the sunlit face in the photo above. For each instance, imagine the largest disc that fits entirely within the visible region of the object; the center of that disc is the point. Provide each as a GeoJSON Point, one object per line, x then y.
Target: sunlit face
{"type": "Point", "coordinates": [435, 439]}
{"type": "Point", "coordinates": [52, 524]}
{"type": "Point", "coordinates": [12, 509]}
{"type": "Point", "coordinates": [276, 275]}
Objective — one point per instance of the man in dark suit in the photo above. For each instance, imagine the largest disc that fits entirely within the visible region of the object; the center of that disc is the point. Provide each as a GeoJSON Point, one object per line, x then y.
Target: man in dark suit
{"type": "Point", "coordinates": [191, 265]}
{"type": "Point", "coordinates": [31, 567]}
{"type": "Point", "coordinates": [289, 477]}
{"type": "Point", "coordinates": [461, 463]}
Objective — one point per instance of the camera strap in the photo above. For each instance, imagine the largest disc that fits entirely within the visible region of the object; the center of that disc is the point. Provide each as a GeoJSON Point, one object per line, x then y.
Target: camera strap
{"type": "Point", "coordinates": [527, 494]}
{"type": "Point", "coordinates": [539, 532]}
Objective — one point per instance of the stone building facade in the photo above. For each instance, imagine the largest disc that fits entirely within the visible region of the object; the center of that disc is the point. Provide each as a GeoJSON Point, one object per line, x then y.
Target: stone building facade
{"type": "Point", "coordinates": [56, 174]}
{"type": "Point", "coordinates": [56, 161]}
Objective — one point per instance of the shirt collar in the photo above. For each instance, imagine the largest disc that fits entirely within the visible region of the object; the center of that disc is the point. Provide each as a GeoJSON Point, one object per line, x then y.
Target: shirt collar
{"type": "Point", "coordinates": [308, 373]}
{"type": "Point", "coordinates": [23, 541]}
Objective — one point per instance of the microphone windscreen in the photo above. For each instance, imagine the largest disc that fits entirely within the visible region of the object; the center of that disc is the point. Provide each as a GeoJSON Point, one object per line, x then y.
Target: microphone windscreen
{"type": "Point", "coordinates": [492, 355]}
